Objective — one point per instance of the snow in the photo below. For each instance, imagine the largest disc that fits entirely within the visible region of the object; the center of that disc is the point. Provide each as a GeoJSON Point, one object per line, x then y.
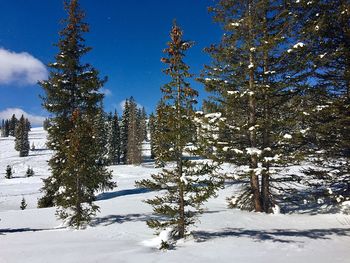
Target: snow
{"type": "Point", "coordinates": [232, 92]}
{"type": "Point", "coordinates": [299, 44]}
{"type": "Point", "coordinates": [253, 151]}
{"type": "Point", "coordinates": [287, 136]}
{"type": "Point", "coordinates": [235, 24]}
{"type": "Point", "coordinates": [213, 115]}
{"type": "Point", "coordinates": [119, 232]}
{"type": "Point", "coordinates": [164, 236]}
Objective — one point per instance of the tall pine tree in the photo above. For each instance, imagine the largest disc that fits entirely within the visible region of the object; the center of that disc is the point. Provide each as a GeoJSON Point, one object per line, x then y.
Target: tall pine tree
{"type": "Point", "coordinates": [325, 26]}
{"type": "Point", "coordinates": [187, 184]}
{"type": "Point", "coordinates": [124, 132]}
{"type": "Point", "coordinates": [255, 78]}
{"type": "Point", "coordinates": [73, 99]}
{"type": "Point", "coordinates": [135, 134]}
{"type": "Point", "coordinates": [114, 139]}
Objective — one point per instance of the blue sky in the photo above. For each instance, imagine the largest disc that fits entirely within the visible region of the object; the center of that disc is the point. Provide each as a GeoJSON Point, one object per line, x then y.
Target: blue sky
{"type": "Point", "coordinates": [127, 39]}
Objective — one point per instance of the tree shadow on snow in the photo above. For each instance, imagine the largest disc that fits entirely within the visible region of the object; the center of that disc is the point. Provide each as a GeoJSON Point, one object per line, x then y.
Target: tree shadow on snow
{"type": "Point", "coordinates": [274, 235]}
{"type": "Point", "coordinates": [26, 229]}
{"type": "Point", "coordinates": [120, 219]}
{"type": "Point", "coordinates": [111, 195]}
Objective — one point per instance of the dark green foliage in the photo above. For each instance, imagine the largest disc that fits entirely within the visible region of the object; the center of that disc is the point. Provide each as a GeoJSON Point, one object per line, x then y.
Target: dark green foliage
{"type": "Point", "coordinates": [12, 125]}
{"type": "Point", "coordinates": [46, 124]}
{"type": "Point", "coordinates": [124, 132]}
{"type": "Point", "coordinates": [255, 80]}
{"type": "Point", "coordinates": [152, 129]}
{"type": "Point", "coordinates": [135, 134]}
{"type": "Point", "coordinates": [325, 27]}
{"type": "Point", "coordinates": [77, 122]}
{"type": "Point", "coordinates": [186, 184]}
{"type": "Point", "coordinates": [114, 142]}
{"type": "Point", "coordinates": [30, 172]}
{"type": "Point", "coordinates": [142, 119]}
{"type": "Point", "coordinates": [5, 128]}
{"type": "Point", "coordinates": [23, 204]}
{"type": "Point", "coordinates": [8, 172]}
{"type": "Point", "coordinates": [21, 137]}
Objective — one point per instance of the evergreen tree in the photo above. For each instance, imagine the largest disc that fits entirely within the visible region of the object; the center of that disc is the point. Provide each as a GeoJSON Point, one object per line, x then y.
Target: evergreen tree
{"type": "Point", "coordinates": [124, 132]}
{"type": "Point", "coordinates": [29, 172]}
{"type": "Point", "coordinates": [325, 27]}
{"type": "Point", "coordinates": [12, 125]}
{"type": "Point", "coordinates": [46, 124]}
{"type": "Point", "coordinates": [160, 142]}
{"type": "Point", "coordinates": [135, 135]}
{"type": "Point", "coordinates": [142, 115]}
{"type": "Point", "coordinates": [186, 184]}
{"type": "Point", "coordinates": [73, 100]}
{"type": "Point", "coordinates": [256, 75]}
{"type": "Point", "coordinates": [28, 125]}
{"type": "Point", "coordinates": [23, 204]}
{"type": "Point", "coordinates": [114, 139]}
{"type": "Point", "coordinates": [21, 137]}
{"type": "Point", "coordinates": [7, 128]}
{"type": "Point", "coordinates": [8, 172]}
{"type": "Point", "coordinates": [152, 130]}
{"type": "Point", "coordinates": [3, 129]}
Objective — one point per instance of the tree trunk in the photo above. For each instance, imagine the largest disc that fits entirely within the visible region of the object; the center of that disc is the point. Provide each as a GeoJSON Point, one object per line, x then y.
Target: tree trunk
{"type": "Point", "coordinates": [265, 180]}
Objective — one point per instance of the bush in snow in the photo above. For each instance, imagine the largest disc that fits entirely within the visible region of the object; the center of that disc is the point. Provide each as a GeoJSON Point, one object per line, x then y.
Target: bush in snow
{"type": "Point", "coordinates": [8, 172]}
{"type": "Point", "coordinates": [29, 172]}
{"type": "Point", "coordinates": [23, 204]}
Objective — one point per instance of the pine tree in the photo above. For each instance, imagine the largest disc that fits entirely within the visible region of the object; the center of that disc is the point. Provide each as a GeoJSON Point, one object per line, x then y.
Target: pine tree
{"type": "Point", "coordinates": [23, 204]}
{"type": "Point", "coordinates": [8, 172]}
{"type": "Point", "coordinates": [7, 128]}
{"type": "Point", "coordinates": [28, 125]}
{"type": "Point", "coordinates": [3, 128]}
{"type": "Point", "coordinates": [29, 172]}
{"type": "Point", "coordinates": [12, 125]}
{"type": "Point", "coordinates": [160, 142]}
{"type": "Point", "coordinates": [73, 100]}
{"type": "Point", "coordinates": [135, 135]}
{"type": "Point", "coordinates": [114, 139]}
{"type": "Point", "coordinates": [186, 184]}
{"type": "Point", "coordinates": [143, 123]}
{"type": "Point", "coordinates": [325, 27]}
{"type": "Point", "coordinates": [21, 137]}
{"type": "Point", "coordinates": [124, 132]}
{"type": "Point", "coordinates": [256, 75]}
{"type": "Point", "coordinates": [46, 124]}
{"type": "Point", "coordinates": [152, 130]}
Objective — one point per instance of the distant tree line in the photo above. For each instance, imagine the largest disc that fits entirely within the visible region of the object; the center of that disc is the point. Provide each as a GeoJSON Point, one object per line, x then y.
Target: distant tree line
{"type": "Point", "coordinates": [126, 134]}
{"type": "Point", "coordinates": [19, 128]}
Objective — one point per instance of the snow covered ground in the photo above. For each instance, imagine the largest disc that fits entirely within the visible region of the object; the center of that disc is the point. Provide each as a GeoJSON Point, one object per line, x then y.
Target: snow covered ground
{"type": "Point", "coordinates": [119, 233]}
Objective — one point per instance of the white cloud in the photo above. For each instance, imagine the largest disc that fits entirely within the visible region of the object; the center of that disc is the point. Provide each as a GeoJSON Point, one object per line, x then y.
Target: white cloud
{"type": "Point", "coordinates": [35, 120]}
{"type": "Point", "coordinates": [106, 92]}
{"type": "Point", "coordinates": [20, 68]}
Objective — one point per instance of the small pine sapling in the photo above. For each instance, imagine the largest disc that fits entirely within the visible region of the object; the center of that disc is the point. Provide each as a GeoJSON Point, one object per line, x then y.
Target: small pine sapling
{"type": "Point", "coordinates": [23, 204]}
{"type": "Point", "coordinates": [8, 172]}
{"type": "Point", "coordinates": [30, 172]}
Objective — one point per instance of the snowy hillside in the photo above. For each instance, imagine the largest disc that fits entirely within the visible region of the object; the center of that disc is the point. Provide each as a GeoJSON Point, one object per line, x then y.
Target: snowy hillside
{"type": "Point", "coordinates": [119, 232]}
